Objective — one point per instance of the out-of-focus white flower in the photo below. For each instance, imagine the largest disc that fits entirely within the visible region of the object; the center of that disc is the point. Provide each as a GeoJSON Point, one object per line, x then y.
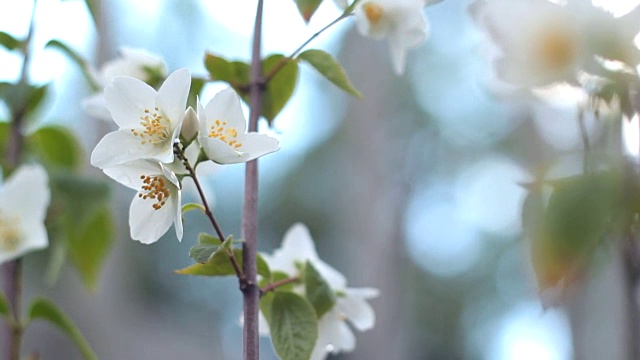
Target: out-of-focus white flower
{"type": "Point", "coordinates": [133, 62]}
{"type": "Point", "coordinates": [334, 334]}
{"type": "Point", "coordinates": [149, 121]}
{"type": "Point", "coordinates": [402, 22]}
{"type": "Point", "coordinates": [223, 131]}
{"type": "Point", "coordinates": [24, 199]}
{"type": "Point", "coordinates": [156, 205]}
{"type": "Point", "coordinates": [544, 43]}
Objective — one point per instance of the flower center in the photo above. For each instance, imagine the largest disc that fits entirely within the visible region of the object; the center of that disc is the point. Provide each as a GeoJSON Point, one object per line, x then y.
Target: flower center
{"type": "Point", "coordinates": [154, 188]}
{"type": "Point", "coordinates": [156, 129]}
{"type": "Point", "coordinates": [226, 134]}
{"type": "Point", "coordinates": [373, 11]}
{"type": "Point", "coordinates": [555, 49]}
{"type": "Point", "coordinates": [10, 236]}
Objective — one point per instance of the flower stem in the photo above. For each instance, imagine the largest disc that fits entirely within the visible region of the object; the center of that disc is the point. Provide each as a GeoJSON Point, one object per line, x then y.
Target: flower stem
{"type": "Point", "coordinates": [207, 211]}
{"type": "Point", "coordinates": [12, 270]}
{"type": "Point", "coordinates": [277, 284]}
{"type": "Point", "coordinates": [251, 294]}
{"type": "Point", "coordinates": [285, 60]}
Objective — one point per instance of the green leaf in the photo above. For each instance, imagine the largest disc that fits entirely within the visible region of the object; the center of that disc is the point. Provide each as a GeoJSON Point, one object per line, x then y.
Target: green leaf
{"type": "Point", "coordinates": [307, 8]}
{"type": "Point", "coordinates": [265, 305]}
{"type": "Point", "coordinates": [4, 137]}
{"type": "Point", "coordinates": [565, 234]}
{"type": "Point", "coordinates": [330, 68]}
{"type": "Point", "coordinates": [196, 88]}
{"type": "Point", "coordinates": [280, 87]}
{"type": "Point", "coordinates": [90, 245]}
{"type": "Point", "coordinates": [5, 307]}
{"type": "Point", "coordinates": [76, 58]}
{"type": "Point", "coordinates": [220, 265]}
{"type": "Point", "coordinates": [42, 309]}
{"type": "Point", "coordinates": [55, 146]}
{"type": "Point", "coordinates": [22, 99]}
{"type": "Point", "coordinates": [236, 73]}
{"type": "Point", "coordinates": [207, 239]}
{"type": "Point", "coordinates": [8, 41]}
{"type": "Point", "coordinates": [204, 251]}
{"type": "Point", "coordinates": [79, 196]}
{"type": "Point", "coordinates": [293, 326]}
{"type": "Point", "coordinates": [318, 292]}
{"type": "Point", "coordinates": [192, 206]}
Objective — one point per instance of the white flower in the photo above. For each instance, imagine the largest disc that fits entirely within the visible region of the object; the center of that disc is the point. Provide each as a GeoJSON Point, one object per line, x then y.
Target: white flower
{"type": "Point", "coordinates": [24, 199]}
{"type": "Point", "coordinates": [156, 205]}
{"type": "Point", "coordinates": [544, 43]}
{"type": "Point", "coordinates": [334, 335]}
{"type": "Point", "coordinates": [133, 62]}
{"type": "Point", "coordinates": [223, 135]}
{"type": "Point", "coordinates": [149, 121]}
{"type": "Point", "coordinates": [401, 22]}
{"type": "Point", "coordinates": [540, 41]}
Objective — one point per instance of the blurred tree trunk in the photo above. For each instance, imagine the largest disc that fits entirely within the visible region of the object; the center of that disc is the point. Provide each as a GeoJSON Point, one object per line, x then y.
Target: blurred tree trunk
{"type": "Point", "coordinates": [376, 195]}
{"type": "Point", "coordinates": [602, 311]}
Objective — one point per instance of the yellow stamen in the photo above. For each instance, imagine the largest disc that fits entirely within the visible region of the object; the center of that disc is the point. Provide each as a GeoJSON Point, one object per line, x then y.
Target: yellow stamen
{"type": "Point", "coordinates": [373, 11]}
{"type": "Point", "coordinates": [155, 127]}
{"type": "Point", "coordinates": [155, 188]}
{"type": "Point", "coordinates": [10, 236]}
{"type": "Point", "coordinates": [220, 131]}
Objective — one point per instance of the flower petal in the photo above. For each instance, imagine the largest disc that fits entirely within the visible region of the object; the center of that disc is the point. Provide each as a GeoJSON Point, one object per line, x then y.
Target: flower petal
{"type": "Point", "coordinates": [26, 192]}
{"type": "Point", "coordinates": [147, 224]}
{"type": "Point", "coordinates": [220, 152]}
{"type": "Point", "coordinates": [225, 106]}
{"type": "Point", "coordinates": [257, 145]}
{"type": "Point", "coordinates": [357, 309]}
{"type": "Point", "coordinates": [127, 98]}
{"type": "Point", "coordinates": [334, 336]}
{"type": "Point", "coordinates": [128, 174]}
{"type": "Point", "coordinates": [122, 146]}
{"type": "Point", "coordinates": [172, 97]}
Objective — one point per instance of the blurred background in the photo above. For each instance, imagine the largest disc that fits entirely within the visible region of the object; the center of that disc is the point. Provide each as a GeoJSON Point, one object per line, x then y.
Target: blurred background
{"type": "Point", "coordinates": [415, 189]}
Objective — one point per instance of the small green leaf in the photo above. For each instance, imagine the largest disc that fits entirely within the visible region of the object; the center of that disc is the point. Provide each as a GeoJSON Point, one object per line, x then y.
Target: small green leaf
{"type": "Point", "coordinates": [307, 8]}
{"type": "Point", "coordinates": [220, 265]}
{"type": "Point", "coordinates": [5, 307]}
{"type": "Point", "coordinates": [318, 292]}
{"type": "Point", "coordinates": [196, 88]}
{"type": "Point", "coordinates": [280, 87]}
{"type": "Point", "coordinates": [22, 99]}
{"type": "Point", "coordinates": [77, 59]}
{"type": "Point", "coordinates": [55, 146]}
{"type": "Point", "coordinates": [205, 250]}
{"type": "Point", "coordinates": [330, 68]}
{"type": "Point", "coordinates": [293, 326]}
{"type": "Point", "coordinates": [43, 309]}
{"type": "Point", "coordinates": [90, 245]}
{"type": "Point", "coordinates": [207, 239]}
{"type": "Point", "coordinates": [8, 41]}
{"type": "Point", "coordinates": [236, 73]}
{"type": "Point", "coordinates": [192, 206]}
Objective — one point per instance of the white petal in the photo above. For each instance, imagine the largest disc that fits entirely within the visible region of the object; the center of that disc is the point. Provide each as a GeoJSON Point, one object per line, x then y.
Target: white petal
{"type": "Point", "coordinates": [96, 107]}
{"type": "Point", "coordinates": [357, 309]}
{"type": "Point", "coordinates": [122, 146]}
{"type": "Point", "coordinates": [26, 192]}
{"type": "Point", "coordinates": [334, 336]}
{"type": "Point", "coordinates": [172, 96]}
{"type": "Point", "coordinates": [175, 200]}
{"type": "Point", "coordinates": [221, 153]}
{"type": "Point", "coordinates": [127, 98]}
{"type": "Point", "coordinates": [258, 145]}
{"type": "Point", "coordinates": [26, 196]}
{"type": "Point", "coordinates": [298, 246]}
{"type": "Point", "coordinates": [225, 106]}
{"type": "Point", "coordinates": [190, 124]}
{"type": "Point", "coordinates": [147, 224]}
{"type": "Point", "coordinates": [128, 174]}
